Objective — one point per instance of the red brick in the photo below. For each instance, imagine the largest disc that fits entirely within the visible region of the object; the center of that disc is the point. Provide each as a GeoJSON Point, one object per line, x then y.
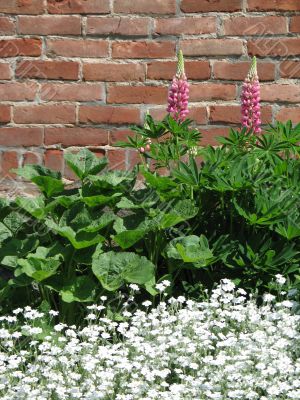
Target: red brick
{"type": "Point", "coordinates": [45, 114]}
{"type": "Point", "coordinates": [76, 136]}
{"type": "Point", "coordinates": [280, 93]}
{"type": "Point", "coordinates": [72, 92]}
{"type": "Point", "coordinates": [273, 5]}
{"type": "Point", "coordinates": [31, 158]}
{"type": "Point", "coordinates": [49, 25]}
{"type": "Point", "coordinates": [197, 70]}
{"type": "Point", "coordinates": [14, 91]}
{"type": "Point", "coordinates": [7, 26]}
{"type": "Point", "coordinates": [117, 159]}
{"type": "Point", "coordinates": [9, 160]}
{"type": "Point", "coordinates": [274, 47]}
{"type": "Point", "coordinates": [197, 113]}
{"type": "Point", "coordinates": [212, 47]}
{"type": "Point", "coordinates": [212, 91]}
{"type": "Point", "coordinates": [143, 49]}
{"type": "Point", "coordinates": [145, 6]}
{"type": "Point", "coordinates": [5, 114]}
{"type": "Point", "coordinates": [290, 69]}
{"type": "Point", "coordinates": [109, 115]}
{"type": "Point", "coordinates": [122, 26]}
{"type": "Point", "coordinates": [210, 5]}
{"type": "Point", "coordinates": [78, 48]}
{"type": "Point", "coordinates": [236, 26]}
{"type": "Point", "coordinates": [232, 114]}
{"type": "Point", "coordinates": [20, 47]}
{"type": "Point", "coordinates": [113, 72]}
{"type": "Point", "coordinates": [5, 71]}
{"type": "Point", "coordinates": [21, 137]}
{"type": "Point", "coordinates": [40, 69]}
{"type": "Point", "coordinates": [295, 24]}
{"type": "Point", "coordinates": [119, 135]}
{"type": "Point", "coordinates": [289, 113]}
{"type": "Point", "coordinates": [137, 94]}
{"type": "Point", "coordinates": [210, 134]}
{"type": "Point", "coordinates": [187, 25]}
{"type": "Point", "coordinates": [78, 6]}
{"type": "Point", "coordinates": [54, 159]}
{"type": "Point", "coordinates": [22, 6]}
{"type": "Point", "coordinates": [237, 71]}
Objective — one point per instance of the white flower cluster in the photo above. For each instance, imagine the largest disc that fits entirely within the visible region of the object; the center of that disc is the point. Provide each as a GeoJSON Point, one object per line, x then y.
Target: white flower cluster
{"type": "Point", "coordinates": [224, 348]}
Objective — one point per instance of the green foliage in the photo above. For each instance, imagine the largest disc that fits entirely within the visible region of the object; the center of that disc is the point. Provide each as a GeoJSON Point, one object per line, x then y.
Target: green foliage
{"type": "Point", "coordinates": [235, 214]}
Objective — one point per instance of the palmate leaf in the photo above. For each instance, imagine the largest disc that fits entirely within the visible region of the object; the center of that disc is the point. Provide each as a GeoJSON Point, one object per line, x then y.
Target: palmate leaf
{"type": "Point", "coordinates": [113, 269]}
{"type": "Point", "coordinates": [35, 206]}
{"type": "Point", "coordinates": [85, 163]}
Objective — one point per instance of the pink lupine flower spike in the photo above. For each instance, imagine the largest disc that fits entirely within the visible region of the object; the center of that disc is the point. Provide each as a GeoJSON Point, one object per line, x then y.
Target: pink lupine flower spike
{"type": "Point", "coordinates": [251, 116]}
{"type": "Point", "coordinates": [179, 92]}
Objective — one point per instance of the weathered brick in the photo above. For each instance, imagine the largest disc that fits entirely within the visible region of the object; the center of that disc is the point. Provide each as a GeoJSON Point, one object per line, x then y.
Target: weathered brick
{"type": "Point", "coordinates": [142, 49]}
{"type": "Point", "coordinates": [40, 69]}
{"type": "Point", "coordinates": [289, 113]}
{"type": "Point", "coordinates": [117, 135]}
{"type": "Point", "coordinates": [78, 48]}
{"type": "Point", "coordinates": [45, 114]}
{"type": "Point", "coordinates": [273, 5]}
{"type": "Point", "coordinates": [210, 134]}
{"type": "Point", "coordinates": [5, 71]}
{"type": "Point", "coordinates": [72, 92]}
{"type": "Point", "coordinates": [210, 5]}
{"type": "Point", "coordinates": [145, 6]}
{"type": "Point", "coordinates": [187, 25]}
{"type": "Point", "coordinates": [49, 25]}
{"type": "Point", "coordinates": [14, 91]}
{"type": "Point", "coordinates": [31, 158]}
{"type": "Point", "coordinates": [117, 159]}
{"type": "Point", "coordinates": [54, 159]}
{"type": "Point", "coordinates": [109, 115]}
{"type": "Point", "coordinates": [20, 47]}
{"type": "Point", "coordinates": [232, 114]}
{"type": "Point", "coordinates": [197, 70]}
{"type": "Point", "coordinates": [212, 91]}
{"type": "Point", "coordinates": [197, 113]}
{"type": "Point", "coordinates": [7, 26]}
{"type": "Point", "coordinates": [113, 72]}
{"type": "Point", "coordinates": [9, 160]}
{"type": "Point", "coordinates": [236, 26]}
{"type": "Point", "coordinates": [295, 24]}
{"type": "Point", "coordinates": [290, 69]}
{"type": "Point", "coordinates": [22, 6]}
{"type": "Point", "coordinates": [273, 47]}
{"type": "Point", "coordinates": [237, 71]}
{"type": "Point", "coordinates": [212, 47]}
{"type": "Point", "coordinates": [16, 136]}
{"type": "Point", "coordinates": [5, 114]}
{"type": "Point", "coordinates": [280, 93]}
{"type": "Point", "coordinates": [137, 94]}
{"type": "Point", "coordinates": [121, 26]}
{"type": "Point", "coordinates": [78, 6]}
{"type": "Point", "coordinates": [76, 136]}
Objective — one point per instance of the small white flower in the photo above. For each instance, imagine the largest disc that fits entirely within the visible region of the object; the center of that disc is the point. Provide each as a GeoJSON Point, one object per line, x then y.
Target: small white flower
{"type": "Point", "coordinates": [280, 279]}
{"type": "Point", "coordinates": [134, 287]}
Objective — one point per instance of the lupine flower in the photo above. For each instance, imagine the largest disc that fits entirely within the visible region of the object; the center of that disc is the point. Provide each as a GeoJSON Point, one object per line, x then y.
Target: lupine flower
{"type": "Point", "coordinates": [179, 92]}
{"type": "Point", "coordinates": [251, 100]}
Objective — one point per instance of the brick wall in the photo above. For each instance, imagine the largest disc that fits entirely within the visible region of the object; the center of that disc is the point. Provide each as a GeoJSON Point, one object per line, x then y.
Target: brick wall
{"type": "Point", "coordinates": [79, 72]}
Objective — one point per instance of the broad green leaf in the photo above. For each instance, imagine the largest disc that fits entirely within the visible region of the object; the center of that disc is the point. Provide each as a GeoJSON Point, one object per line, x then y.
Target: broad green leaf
{"type": "Point", "coordinates": [17, 248]}
{"type": "Point", "coordinates": [85, 163]}
{"type": "Point", "coordinates": [33, 205]}
{"type": "Point", "coordinates": [106, 219]}
{"type": "Point", "coordinates": [161, 183]}
{"type": "Point", "coordinates": [41, 264]}
{"type": "Point", "coordinates": [48, 185]}
{"type": "Point", "coordinates": [16, 221]}
{"type": "Point", "coordinates": [79, 240]}
{"type": "Point", "coordinates": [32, 171]}
{"type": "Point", "coordinates": [100, 200]}
{"type": "Point", "coordinates": [111, 179]}
{"type": "Point", "coordinates": [127, 239]}
{"type": "Point", "coordinates": [115, 269]}
{"type": "Point", "coordinates": [82, 289]}
{"type": "Point", "coordinates": [5, 233]}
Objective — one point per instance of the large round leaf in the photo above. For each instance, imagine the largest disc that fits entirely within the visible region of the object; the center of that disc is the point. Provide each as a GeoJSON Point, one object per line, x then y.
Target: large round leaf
{"type": "Point", "coordinates": [114, 269]}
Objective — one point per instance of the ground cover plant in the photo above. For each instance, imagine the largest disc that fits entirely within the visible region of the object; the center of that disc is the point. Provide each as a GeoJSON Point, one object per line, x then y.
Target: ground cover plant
{"type": "Point", "coordinates": [221, 348]}
{"type": "Point", "coordinates": [225, 212]}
